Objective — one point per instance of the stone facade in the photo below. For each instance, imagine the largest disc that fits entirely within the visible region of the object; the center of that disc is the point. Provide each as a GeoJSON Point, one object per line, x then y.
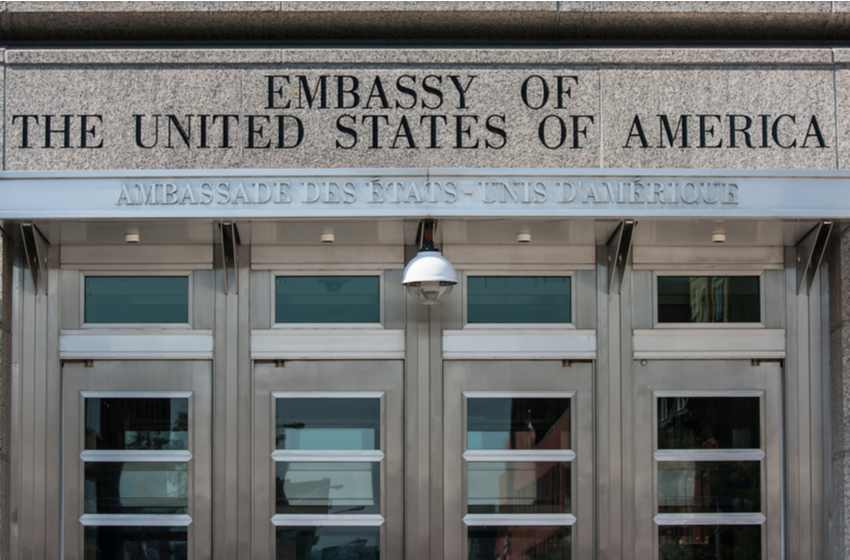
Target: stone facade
{"type": "Point", "coordinates": [471, 85]}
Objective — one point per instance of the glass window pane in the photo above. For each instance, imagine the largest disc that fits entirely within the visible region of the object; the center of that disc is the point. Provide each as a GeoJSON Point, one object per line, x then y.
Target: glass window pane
{"type": "Point", "coordinates": [518, 299]}
{"type": "Point", "coordinates": [710, 542]}
{"type": "Point", "coordinates": [136, 488]}
{"type": "Point", "coordinates": [137, 299]}
{"type": "Point", "coordinates": [109, 543]}
{"type": "Point", "coordinates": [525, 543]}
{"type": "Point", "coordinates": [709, 487]}
{"type": "Point", "coordinates": [328, 543]}
{"type": "Point", "coordinates": [327, 299]}
{"type": "Point", "coordinates": [520, 423]}
{"type": "Point", "coordinates": [709, 299]}
{"type": "Point", "coordinates": [314, 424]}
{"type": "Point", "coordinates": [328, 487]}
{"type": "Point", "coordinates": [518, 487]}
{"type": "Point", "coordinates": [140, 424]}
{"type": "Point", "coordinates": [709, 423]}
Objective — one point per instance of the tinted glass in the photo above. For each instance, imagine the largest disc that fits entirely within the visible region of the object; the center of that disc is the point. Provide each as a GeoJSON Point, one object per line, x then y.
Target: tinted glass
{"type": "Point", "coordinates": [518, 299]}
{"type": "Point", "coordinates": [525, 543]}
{"type": "Point", "coordinates": [137, 488]}
{"type": "Point", "coordinates": [518, 487]}
{"type": "Point", "coordinates": [708, 423]}
{"type": "Point", "coordinates": [709, 299]}
{"type": "Point", "coordinates": [328, 487]}
{"type": "Point", "coordinates": [137, 299]}
{"type": "Point", "coordinates": [328, 543]}
{"type": "Point", "coordinates": [140, 424]}
{"type": "Point", "coordinates": [327, 299]}
{"type": "Point", "coordinates": [520, 423]}
{"type": "Point", "coordinates": [709, 486]}
{"type": "Point", "coordinates": [109, 543]}
{"type": "Point", "coordinates": [347, 424]}
{"type": "Point", "coordinates": [710, 542]}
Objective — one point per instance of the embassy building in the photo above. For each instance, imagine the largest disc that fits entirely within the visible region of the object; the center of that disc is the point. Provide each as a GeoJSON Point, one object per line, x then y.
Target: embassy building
{"type": "Point", "coordinates": [425, 281]}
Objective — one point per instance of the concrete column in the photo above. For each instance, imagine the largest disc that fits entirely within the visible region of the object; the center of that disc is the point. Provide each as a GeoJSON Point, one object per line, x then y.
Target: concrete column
{"type": "Point", "coordinates": [839, 288]}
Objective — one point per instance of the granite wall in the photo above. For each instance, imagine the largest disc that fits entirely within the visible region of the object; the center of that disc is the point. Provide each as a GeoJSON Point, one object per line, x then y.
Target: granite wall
{"type": "Point", "coordinates": [303, 108]}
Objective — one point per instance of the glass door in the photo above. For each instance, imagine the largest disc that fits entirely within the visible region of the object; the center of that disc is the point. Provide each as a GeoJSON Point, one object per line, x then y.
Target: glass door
{"type": "Point", "coordinates": [137, 460]}
{"type": "Point", "coordinates": [708, 460]}
{"type": "Point", "coordinates": [328, 463]}
{"type": "Point", "coordinates": [519, 460]}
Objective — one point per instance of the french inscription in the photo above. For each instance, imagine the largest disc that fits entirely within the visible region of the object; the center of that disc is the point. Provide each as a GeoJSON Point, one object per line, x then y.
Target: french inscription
{"type": "Point", "coordinates": [697, 193]}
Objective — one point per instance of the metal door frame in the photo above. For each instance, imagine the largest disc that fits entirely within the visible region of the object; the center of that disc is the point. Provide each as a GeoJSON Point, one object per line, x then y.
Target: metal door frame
{"type": "Point", "coordinates": [340, 379]}
{"type": "Point", "coordinates": [733, 378]}
{"type": "Point", "coordinates": [464, 379]}
{"type": "Point", "coordinates": [141, 379]}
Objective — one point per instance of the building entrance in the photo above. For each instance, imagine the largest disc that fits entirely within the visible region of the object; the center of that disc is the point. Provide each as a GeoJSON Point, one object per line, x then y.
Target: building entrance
{"type": "Point", "coordinates": [545, 409]}
{"type": "Point", "coordinates": [137, 468]}
{"type": "Point", "coordinates": [518, 459]}
{"type": "Point", "coordinates": [328, 460]}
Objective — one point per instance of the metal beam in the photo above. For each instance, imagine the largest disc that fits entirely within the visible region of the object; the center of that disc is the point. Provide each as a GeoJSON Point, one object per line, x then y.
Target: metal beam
{"type": "Point", "coordinates": [810, 251]}
{"type": "Point", "coordinates": [229, 252]}
{"type": "Point", "coordinates": [35, 251]}
{"type": "Point", "coordinates": [619, 251]}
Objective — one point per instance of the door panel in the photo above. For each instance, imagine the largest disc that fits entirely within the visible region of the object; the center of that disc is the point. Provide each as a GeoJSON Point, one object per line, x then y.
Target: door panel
{"type": "Point", "coordinates": [328, 460]}
{"type": "Point", "coordinates": [137, 459]}
{"type": "Point", "coordinates": [708, 459]}
{"type": "Point", "coordinates": [518, 459]}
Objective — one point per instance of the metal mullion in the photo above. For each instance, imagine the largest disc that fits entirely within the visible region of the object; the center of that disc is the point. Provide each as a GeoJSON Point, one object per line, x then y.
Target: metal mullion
{"type": "Point", "coordinates": [667, 519]}
{"type": "Point", "coordinates": [329, 520]}
{"type": "Point", "coordinates": [696, 455]}
{"type": "Point", "coordinates": [498, 455]}
{"type": "Point", "coordinates": [369, 456]}
{"type": "Point", "coordinates": [133, 456]}
{"type": "Point", "coordinates": [547, 520]}
{"type": "Point", "coordinates": [140, 520]}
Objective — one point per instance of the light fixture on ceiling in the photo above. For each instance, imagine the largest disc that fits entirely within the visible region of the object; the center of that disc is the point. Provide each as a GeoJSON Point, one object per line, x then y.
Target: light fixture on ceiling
{"type": "Point", "coordinates": [429, 276]}
{"type": "Point", "coordinates": [132, 235]}
{"type": "Point", "coordinates": [523, 235]}
{"type": "Point", "coordinates": [719, 233]}
{"type": "Point", "coordinates": [327, 236]}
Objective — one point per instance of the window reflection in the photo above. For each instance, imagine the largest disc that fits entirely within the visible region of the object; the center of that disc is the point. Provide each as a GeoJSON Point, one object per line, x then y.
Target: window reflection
{"type": "Point", "coordinates": [322, 424]}
{"type": "Point", "coordinates": [137, 424]}
{"type": "Point", "coordinates": [327, 543]}
{"type": "Point", "coordinates": [709, 486]}
{"type": "Point", "coordinates": [708, 423]}
{"type": "Point", "coordinates": [519, 543]}
{"type": "Point", "coordinates": [328, 487]}
{"type": "Point", "coordinates": [518, 487]}
{"type": "Point", "coordinates": [136, 488]}
{"type": "Point", "coordinates": [710, 542]}
{"type": "Point", "coordinates": [136, 543]}
{"type": "Point", "coordinates": [518, 423]}
{"type": "Point", "coordinates": [709, 299]}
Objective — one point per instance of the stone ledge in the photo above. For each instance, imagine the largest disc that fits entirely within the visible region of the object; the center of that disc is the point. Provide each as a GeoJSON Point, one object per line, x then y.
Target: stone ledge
{"type": "Point", "coordinates": [468, 22]}
{"type": "Point", "coordinates": [432, 57]}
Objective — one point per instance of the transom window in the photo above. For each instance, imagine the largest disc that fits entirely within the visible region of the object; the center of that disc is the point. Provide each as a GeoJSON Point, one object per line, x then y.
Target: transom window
{"type": "Point", "coordinates": [709, 299]}
{"type": "Point", "coordinates": [327, 299]}
{"type": "Point", "coordinates": [136, 299]}
{"type": "Point", "coordinates": [519, 299]}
